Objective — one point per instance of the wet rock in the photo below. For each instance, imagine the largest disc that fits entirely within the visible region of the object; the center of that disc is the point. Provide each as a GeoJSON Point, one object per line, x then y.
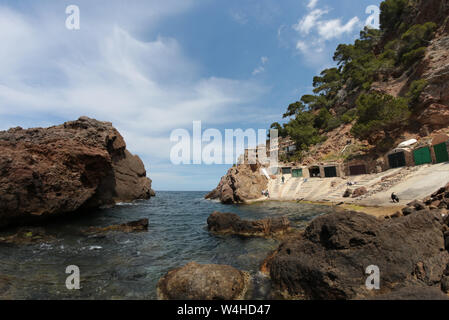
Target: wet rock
{"type": "Point", "coordinates": [134, 226]}
{"type": "Point", "coordinates": [329, 260]}
{"type": "Point", "coordinates": [79, 165]}
{"type": "Point", "coordinates": [242, 183]}
{"type": "Point", "coordinates": [230, 223]}
{"type": "Point", "coordinates": [27, 236]}
{"type": "Point", "coordinates": [203, 282]}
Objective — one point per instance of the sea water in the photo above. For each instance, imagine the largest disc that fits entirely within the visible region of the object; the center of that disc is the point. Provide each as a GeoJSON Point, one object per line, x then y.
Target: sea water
{"type": "Point", "coordinates": [120, 265]}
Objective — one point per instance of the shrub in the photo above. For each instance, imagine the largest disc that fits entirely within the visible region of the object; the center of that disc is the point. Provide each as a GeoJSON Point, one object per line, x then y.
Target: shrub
{"type": "Point", "coordinates": [390, 13]}
{"type": "Point", "coordinates": [416, 88]}
{"type": "Point", "coordinates": [377, 111]}
{"type": "Point", "coordinates": [349, 116]}
{"type": "Point", "coordinates": [322, 119]}
{"type": "Point", "coordinates": [411, 57]}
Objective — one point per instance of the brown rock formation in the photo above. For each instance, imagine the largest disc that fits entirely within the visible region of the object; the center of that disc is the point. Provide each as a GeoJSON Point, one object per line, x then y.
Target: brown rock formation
{"type": "Point", "coordinates": [134, 226]}
{"type": "Point", "coordinates": [329, 260]}
{"type": "Point", "coordinates": [242, 183]}
{"type": "Point", "coordinates": [27, 236]}
{"type": "Point", "coordinates": [230, 223]}
{"type": "Point", "coordinates": [203, 282]}
{"type": "Point", "coordinates": [436, 116]}
{"type": "Point", "coordinates": [78, 165]}
{"type": "Point", "coordinates": [359, 192]}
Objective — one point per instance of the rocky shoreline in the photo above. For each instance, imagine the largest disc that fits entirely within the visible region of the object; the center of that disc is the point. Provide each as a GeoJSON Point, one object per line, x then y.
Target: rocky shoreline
{"type": "Point", "coordinates": [73, 167]}
{"type": "Point", "coordinates": [329, 259]}
{"type": "Point", "coordinates": [241, 184]}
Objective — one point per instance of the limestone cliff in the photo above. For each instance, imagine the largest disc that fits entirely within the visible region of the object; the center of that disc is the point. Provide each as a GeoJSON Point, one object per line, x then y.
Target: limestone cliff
{"type": "Point", "coordinates": [78, 165]}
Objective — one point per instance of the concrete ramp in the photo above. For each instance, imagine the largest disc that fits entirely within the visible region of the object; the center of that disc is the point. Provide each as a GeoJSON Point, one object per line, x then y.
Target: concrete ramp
{"type": "Point", "coordinates": [418, 185]}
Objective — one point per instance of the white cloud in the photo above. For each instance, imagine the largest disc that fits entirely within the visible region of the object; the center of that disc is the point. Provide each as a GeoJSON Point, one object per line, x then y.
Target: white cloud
{"type": "Point", "coordinates": [310, 21]}
{"type": "Point", "coordinates": [312, 4]}
{"type": "Point", "coordinates": [258, 70]}
{"type": "Point", "coordinates": [145, 87]}
{"type": "Point", "coordinates": [334, 28]}
{"type": "Point", "coordinates": [239, 17]}
{"type": "Point", "coordinates": [261, 68]}
{"type": "Point", "coordinates": [314, 31]}
{"type": "Point", "coordinates": [302, 46]}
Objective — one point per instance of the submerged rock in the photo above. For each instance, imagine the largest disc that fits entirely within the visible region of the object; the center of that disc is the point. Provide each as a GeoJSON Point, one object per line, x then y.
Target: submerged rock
{"type": "Point", "coordinates": [27, 236]}
{"type": "Point", "coordinates": [203, 282]}
{"type": "Point", "coordinates": [78, 165]}
{"type": "Point", "coordinates": [329, 260]}
{"type": "Point", "coordinates": [242, 183]}
{"type": "Point", "coordinates": [134, 226]}
{"type": "Point", "coordinates": [230, 223]}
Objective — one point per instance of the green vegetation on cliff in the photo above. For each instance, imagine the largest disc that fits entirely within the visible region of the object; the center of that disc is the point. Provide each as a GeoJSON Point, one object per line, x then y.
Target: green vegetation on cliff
{"type": "Point", "coordinates": [344, 94]}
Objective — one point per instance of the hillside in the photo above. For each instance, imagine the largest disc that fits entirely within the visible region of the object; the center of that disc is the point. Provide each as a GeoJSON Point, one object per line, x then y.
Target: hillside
{"type": "Point", "coordinates": [389, 86]}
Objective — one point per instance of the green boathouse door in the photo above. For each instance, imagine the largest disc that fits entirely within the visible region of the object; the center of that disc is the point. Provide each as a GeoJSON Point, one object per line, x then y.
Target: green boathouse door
{"type": "Point", "coordinates": [422, 156]}
{"type": "Point", "coordinates": [441, 153]}
{"type": "Point", "coordinates": [297, 173]}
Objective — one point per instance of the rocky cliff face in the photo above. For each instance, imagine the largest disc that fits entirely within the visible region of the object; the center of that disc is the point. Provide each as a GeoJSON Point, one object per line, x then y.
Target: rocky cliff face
{"type": "Point", "coordinates": [78, 165]}
{"type": "Point", "coordinates": [241, 184]}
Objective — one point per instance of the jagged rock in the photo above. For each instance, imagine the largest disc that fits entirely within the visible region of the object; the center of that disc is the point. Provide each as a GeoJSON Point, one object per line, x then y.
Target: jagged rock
{"type": "Point", "coordinates": [347, 193]}
{"type": "Point", "coordinates": [396, 215]}
{"type": "Point", "coordinates": [418, 205]}
{"type": "Point", "coordinates": [203, 282]}
{"type": "Point", "coordinates": [242, 183]}
{"type": "Point", "coordinates": [329, 260]}
{"type": "Point", "coordinates": [408, 210]}
{"type": "Point", "coordinates": [435, 115]}
{"type": "Point", "coordinates": [78, 165]}
{"type": "Point", "coordinates": [27, 236]}
{"type": "Point", "coordinates": [359, 192]}
{"type": "Point", "coordinates": [134, 226]}
{"type": "Point", "coordinates": [230, 223]}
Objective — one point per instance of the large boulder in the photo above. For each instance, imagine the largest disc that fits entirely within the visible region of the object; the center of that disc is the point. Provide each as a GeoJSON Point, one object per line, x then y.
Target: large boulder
{"type": "Point", "coordinates": [78, 165]}
{"type": "Point", "coordinates": [230, 223]}
{"type": "Point", "coordinates": [329, 260]}
{"type": "Point", "coordinates": [242, 183]}
{"type": "Point", "coordinates": [203, 282]}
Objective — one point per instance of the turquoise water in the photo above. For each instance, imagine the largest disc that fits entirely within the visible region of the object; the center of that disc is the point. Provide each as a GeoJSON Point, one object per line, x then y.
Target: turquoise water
{"type": "Point", "coordinates": [128, 266]}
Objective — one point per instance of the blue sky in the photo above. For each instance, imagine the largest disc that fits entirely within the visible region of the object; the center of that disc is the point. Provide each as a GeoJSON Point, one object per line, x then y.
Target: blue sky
{"type": "Point", "coordinates": [154, 66]}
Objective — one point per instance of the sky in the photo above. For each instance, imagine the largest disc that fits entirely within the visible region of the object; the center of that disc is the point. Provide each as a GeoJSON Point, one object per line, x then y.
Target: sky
{"type": "Point", "coordinates": [153, 66]}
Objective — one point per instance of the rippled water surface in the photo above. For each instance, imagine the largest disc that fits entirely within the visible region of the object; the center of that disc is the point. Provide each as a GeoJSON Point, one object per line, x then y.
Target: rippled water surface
{"type": "Point", "coordinates": [128, 265]}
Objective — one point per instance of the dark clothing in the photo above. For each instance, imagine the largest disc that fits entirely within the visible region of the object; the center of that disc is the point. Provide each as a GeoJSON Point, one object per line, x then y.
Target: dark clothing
{"type": "Point", "coordinates": [395, 198]}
